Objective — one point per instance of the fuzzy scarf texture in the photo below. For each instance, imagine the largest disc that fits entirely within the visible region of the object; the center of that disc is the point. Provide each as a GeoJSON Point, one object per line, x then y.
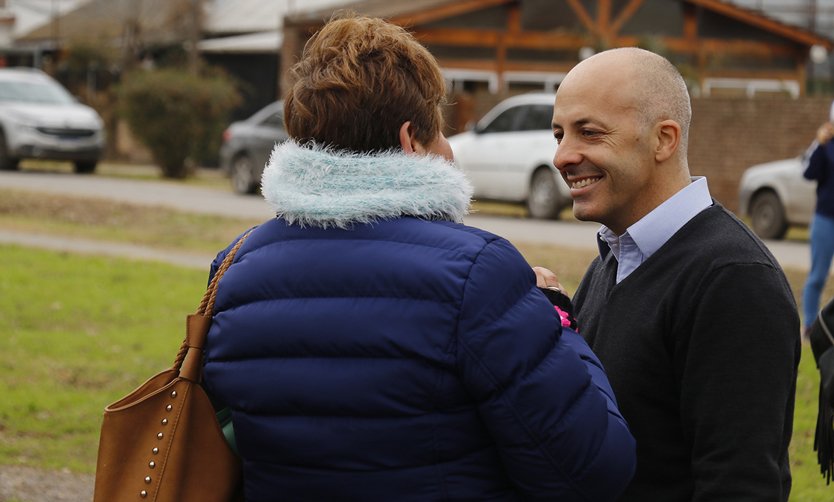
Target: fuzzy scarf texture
{"type": "Point", "coordinates": [316, 186]}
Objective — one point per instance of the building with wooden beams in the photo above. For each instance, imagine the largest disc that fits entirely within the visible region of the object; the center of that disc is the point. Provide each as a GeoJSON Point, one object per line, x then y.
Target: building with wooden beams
{"type": "Point", "coordinates": [508, 46]}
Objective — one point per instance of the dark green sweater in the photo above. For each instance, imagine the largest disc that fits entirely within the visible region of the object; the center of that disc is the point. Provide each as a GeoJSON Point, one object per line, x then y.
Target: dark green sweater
{"type": "Point", "coordinates": [701, 345]}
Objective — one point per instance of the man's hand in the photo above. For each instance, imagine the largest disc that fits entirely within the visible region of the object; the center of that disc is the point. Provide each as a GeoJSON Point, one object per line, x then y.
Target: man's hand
{"type": "Point", "coordinates": [546, 278]}
{"type": "Point", "coordinates": [825, 133]}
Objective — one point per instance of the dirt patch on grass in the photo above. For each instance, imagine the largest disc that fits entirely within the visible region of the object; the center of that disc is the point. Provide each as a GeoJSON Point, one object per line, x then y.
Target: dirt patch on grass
{"type": "Point", "coordinates": [27, 484]}
{"type": "Point", "coordinates": [75, 210]}
{"type": "Point", "coordinates": [107, 220]}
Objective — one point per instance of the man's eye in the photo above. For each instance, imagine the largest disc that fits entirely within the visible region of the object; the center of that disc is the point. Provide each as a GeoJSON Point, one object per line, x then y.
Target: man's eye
{"type": "Point", "coordinates": [558, 136]}
{"type": "Point", "coordinates": [590, 133]}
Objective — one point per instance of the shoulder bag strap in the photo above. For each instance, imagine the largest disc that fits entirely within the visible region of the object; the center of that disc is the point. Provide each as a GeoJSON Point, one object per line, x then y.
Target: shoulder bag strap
{"type": "Point", "coordinates": [189, 361]}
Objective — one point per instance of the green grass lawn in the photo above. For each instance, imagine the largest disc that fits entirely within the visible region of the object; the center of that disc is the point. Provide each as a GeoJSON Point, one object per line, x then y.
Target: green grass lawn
{"type": "Point", "coordinates": [79, 332]}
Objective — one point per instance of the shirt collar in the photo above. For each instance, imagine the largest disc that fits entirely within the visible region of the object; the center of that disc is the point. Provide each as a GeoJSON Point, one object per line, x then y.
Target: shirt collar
{"type": "Point", "coordinates": [657, 227]}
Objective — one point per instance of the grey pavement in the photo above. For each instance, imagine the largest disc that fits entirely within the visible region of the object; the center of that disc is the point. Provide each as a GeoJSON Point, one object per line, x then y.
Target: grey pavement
{"type": "Point", "coordinates": [203, 200]}
{"type": "Point", "coordinates": [103, 248]}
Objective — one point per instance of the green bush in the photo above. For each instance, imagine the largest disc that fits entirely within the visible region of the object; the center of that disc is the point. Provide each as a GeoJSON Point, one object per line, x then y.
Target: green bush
{"type": "Point", "coordinates": [178, 116]}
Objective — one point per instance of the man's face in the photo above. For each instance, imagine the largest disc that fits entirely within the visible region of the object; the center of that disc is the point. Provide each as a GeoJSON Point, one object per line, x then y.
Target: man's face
{"type": "Point", "coordinates": [605, 150]}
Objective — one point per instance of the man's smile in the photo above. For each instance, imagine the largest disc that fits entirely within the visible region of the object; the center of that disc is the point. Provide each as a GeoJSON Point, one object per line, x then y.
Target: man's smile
{"type": "Point", "coordinates": [584, 182]}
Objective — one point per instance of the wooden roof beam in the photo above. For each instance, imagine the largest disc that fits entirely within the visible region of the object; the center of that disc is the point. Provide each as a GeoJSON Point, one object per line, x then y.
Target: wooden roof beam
{"type": "Point", "coordinates": [604, 19]}
{"type": "Point", "coordinates": [491, 38]}
{"type": "Point", "coordinates": [716, 46]}
{"type": "Point", "coordinates": [510, 66]}
{"type": "Point", "coordinates": [735, 12]}
{"type": "Point", "coordinates": [583, 16]}
{"type": "Point", "coordinates": [628, 11]}
{"type": "Point", "coordinates": [563, 41]}
{"type": "Point", "coordinates": [690, 23]}
{"type": "Point", "coordinates": [752, 74]}
{"type": "Point", "coordinates": [450, 9]}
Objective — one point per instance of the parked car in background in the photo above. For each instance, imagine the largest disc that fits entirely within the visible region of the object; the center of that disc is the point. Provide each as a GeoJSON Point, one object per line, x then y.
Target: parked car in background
{"type": "Point", "coordinates": [775, 195]}
{"type": "Point", "coordinates": [247, 145]}
{"type": "Point", "coordinates": [40, 119]}
{"type": "Point", "coordinates": [508, 156]}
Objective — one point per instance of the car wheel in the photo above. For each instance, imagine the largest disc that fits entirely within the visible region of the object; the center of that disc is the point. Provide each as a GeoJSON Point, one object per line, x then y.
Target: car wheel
{"type": "Point", "coordinates": [7, 163]}
{"type": "Point", "coordinates": [242, 175]}
{"type": "Point", "coordinates": [85, 167]}
{"type": "Point", "coordinates": [768, 216]}
{"type": "Point", "coordinates": [543, 201]}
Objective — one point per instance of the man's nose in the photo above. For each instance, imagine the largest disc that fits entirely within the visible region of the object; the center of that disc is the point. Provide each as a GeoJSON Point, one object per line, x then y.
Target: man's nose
{"type": "Point", "coordinates": [566, 154]}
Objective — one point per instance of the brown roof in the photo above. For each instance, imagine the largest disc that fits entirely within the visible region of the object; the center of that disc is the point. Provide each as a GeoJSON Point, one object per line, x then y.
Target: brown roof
{"type": "Point", "coordinates": [403, 12]}
{"type": "Point", "coordinates": [756, 18]}
{"type": "Point", "coordinates": [410, 12]}
{"type": "Point", "coordinates": [161, 21]}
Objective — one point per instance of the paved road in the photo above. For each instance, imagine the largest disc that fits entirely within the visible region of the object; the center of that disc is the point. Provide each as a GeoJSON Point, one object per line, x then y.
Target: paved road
{"type": "Point", "coordinates": [225, 202]}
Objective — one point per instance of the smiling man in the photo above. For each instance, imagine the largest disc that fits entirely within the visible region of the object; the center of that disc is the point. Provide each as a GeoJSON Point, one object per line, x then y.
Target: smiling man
{"type": "Point", "coordinates": [687, 310]}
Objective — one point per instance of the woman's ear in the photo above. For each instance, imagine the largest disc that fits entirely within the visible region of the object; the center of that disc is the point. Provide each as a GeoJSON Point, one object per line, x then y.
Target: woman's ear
{"type": "Point", "coordinates": [407, 140]}
{"type": "Point", "coordinates": [668, 140]}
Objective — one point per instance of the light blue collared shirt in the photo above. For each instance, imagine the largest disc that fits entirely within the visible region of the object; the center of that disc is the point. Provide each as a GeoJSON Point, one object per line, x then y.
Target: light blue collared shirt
{"type": "Point", "coordinates": [644, 238]}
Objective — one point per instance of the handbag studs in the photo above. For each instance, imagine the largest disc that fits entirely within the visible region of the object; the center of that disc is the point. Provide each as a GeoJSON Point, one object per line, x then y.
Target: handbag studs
{"type": "Point", "coordinates": [155, 450]}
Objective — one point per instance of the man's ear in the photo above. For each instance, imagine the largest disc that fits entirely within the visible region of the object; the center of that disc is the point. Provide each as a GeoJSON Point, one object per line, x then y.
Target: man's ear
{"type": "Point", "coordinates": [668, 140]}
{"type": "Point", "coordinates": [406, 138]}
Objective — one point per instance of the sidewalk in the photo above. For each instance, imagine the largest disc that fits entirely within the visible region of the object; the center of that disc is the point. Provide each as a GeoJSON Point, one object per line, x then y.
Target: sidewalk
{"type": "Point", "coordinates": [103, 248]}
{"type": "Point", "coordinates": [795, 255]}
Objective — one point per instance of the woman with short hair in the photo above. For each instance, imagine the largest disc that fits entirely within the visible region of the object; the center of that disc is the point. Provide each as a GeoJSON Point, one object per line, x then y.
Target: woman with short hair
{"type": "Point", "coordinates": [372, 347]}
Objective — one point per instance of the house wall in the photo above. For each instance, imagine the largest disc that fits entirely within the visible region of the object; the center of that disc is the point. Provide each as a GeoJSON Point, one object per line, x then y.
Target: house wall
{"type": "Point", "coordinates": [256, 76]}
{"type": "Point", "coordinates": [730, 134]}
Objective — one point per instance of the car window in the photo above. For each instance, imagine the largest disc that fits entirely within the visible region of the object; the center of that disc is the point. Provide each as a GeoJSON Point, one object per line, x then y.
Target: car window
{"type": "Point", "coordinates": [274, 120]}
{"type": "Point", "coordinates": [536, 118]}
{"type": "Point", "coordinates": [505, 121]}
{"type": "Point", "coordinates": [30, 92]}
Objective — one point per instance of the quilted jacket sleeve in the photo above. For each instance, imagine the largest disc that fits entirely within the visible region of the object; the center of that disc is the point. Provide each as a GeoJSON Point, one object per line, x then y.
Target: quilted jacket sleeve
{"type": "Point", "coordinates": [541, 392]}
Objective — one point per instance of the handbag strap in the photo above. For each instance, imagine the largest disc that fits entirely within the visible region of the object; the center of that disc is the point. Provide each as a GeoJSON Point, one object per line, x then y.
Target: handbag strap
{"type": "Point", "coordinates": [189, 360]}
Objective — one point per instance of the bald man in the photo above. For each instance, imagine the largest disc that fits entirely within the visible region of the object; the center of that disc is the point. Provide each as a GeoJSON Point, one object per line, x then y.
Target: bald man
{"type": "Point", "coordinates": [689, 313]}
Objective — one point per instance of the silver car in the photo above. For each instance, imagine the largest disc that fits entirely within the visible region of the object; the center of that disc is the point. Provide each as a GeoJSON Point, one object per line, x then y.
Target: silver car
{"type": "Point", "coordinates": [508, 156]}
{"type": "Point", "coordinates": [39, 119]}
{"type": "Point", "coordinates": [248, 143]}
{"type": "Point", "coordinates": [775, 195]}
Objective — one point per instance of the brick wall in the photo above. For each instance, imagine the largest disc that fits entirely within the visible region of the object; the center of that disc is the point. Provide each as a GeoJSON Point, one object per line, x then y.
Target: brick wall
{"type": "Point", "coordinates": [730, 134]}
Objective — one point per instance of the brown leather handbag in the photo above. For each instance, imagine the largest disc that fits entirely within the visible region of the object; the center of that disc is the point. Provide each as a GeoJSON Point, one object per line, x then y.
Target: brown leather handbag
{"type": "Point", "coordinates": [162, 442]}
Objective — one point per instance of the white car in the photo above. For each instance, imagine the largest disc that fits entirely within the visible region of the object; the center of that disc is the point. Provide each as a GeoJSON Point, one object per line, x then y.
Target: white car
{"type": "Point", "coordinates": [775, 195]}
{"type": "Point", "coordinates": [40, 119]}
{"type": "Point", "coordinates": [508, 156]}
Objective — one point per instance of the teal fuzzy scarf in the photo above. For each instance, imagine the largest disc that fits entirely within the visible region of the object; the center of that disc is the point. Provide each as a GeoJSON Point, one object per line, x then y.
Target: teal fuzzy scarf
{"type": "Point", "coordinates": [321, 187]}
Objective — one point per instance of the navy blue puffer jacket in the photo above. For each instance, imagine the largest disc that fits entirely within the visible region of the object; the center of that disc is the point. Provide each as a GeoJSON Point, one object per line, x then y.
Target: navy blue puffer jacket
{"type": "Point", "coordinates": [405, 358]}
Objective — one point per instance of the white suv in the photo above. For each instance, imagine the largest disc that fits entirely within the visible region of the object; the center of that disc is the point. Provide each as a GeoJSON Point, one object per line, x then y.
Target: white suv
{"type": "Point", "coordinates": [508, 156]}
{"type": "Point", "coordinates": [775, 195]}
{"type": "Point", "coordinates": [42, 120]}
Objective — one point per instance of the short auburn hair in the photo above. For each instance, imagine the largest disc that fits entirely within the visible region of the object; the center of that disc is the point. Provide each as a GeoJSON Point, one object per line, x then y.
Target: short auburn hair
{"type": "Point", "coordinates": [358, 80]}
